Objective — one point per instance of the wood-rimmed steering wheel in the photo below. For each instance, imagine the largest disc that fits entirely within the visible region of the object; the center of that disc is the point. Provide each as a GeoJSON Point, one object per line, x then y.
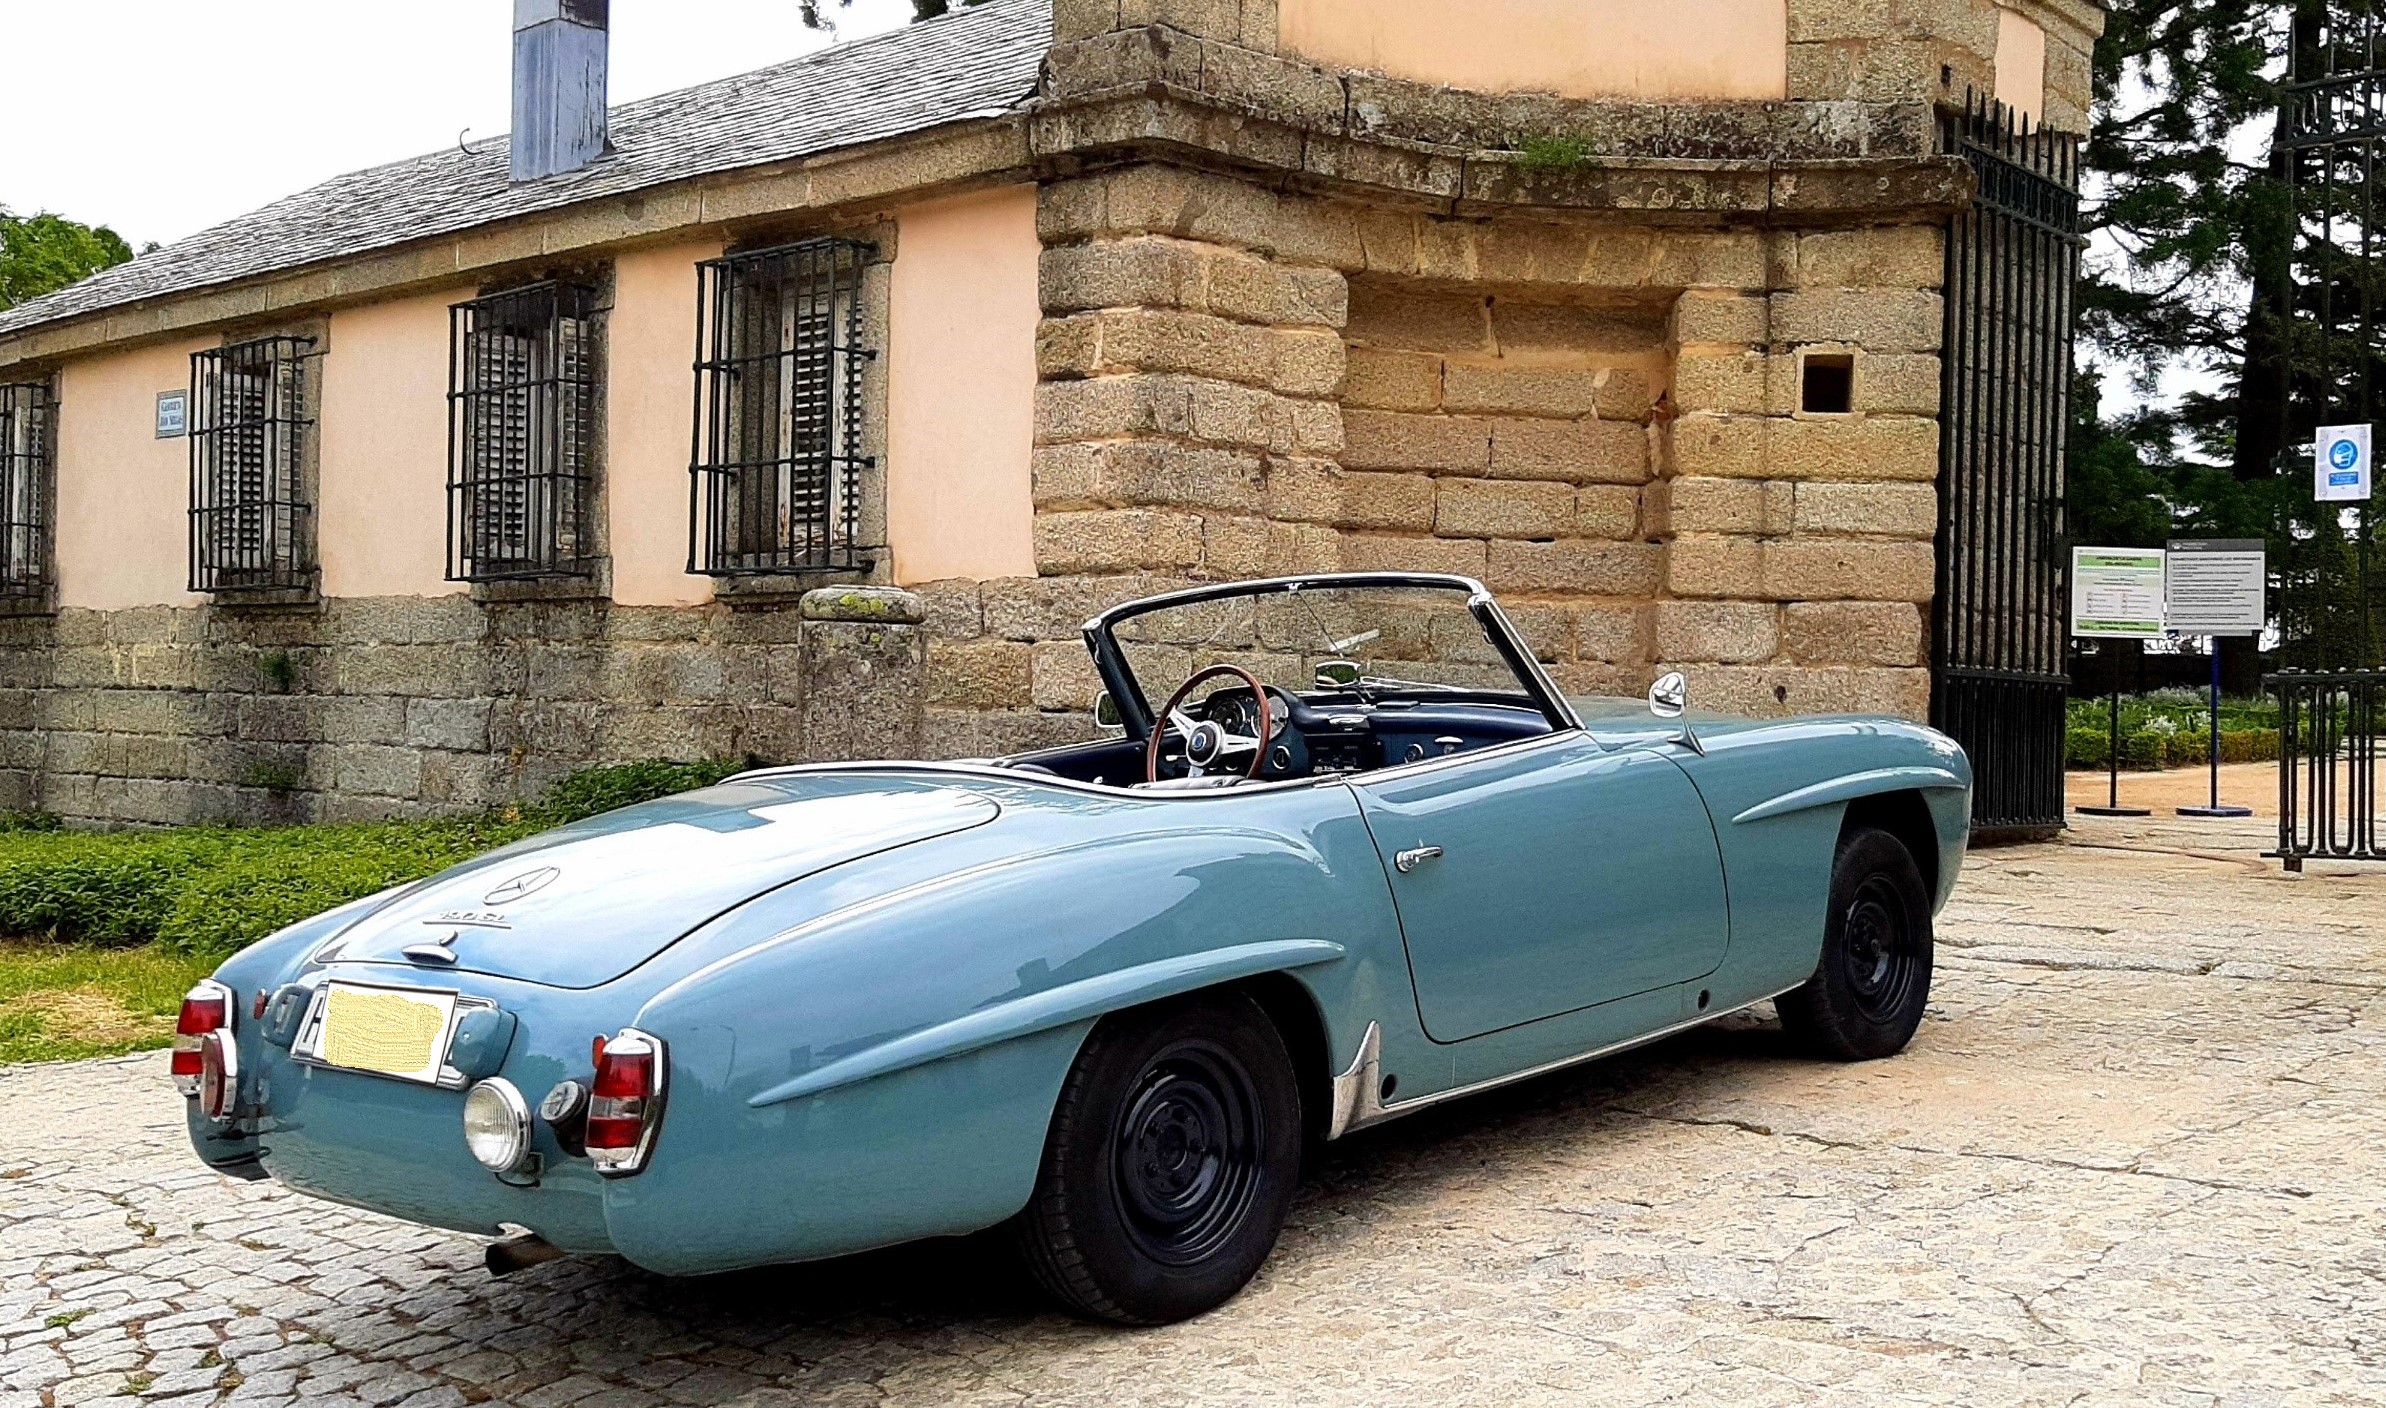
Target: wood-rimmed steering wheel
{"type": "Point", "coordinates": [1208, 744]}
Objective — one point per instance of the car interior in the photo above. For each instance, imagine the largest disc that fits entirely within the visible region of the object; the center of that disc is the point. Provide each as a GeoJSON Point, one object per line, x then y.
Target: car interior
{"type": "Point", "coordinates": [1381, 678]}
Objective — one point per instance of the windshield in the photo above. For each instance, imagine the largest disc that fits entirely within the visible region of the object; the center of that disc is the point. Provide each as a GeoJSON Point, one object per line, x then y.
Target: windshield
{"type": "Point", "coordinates": [1365, 641]}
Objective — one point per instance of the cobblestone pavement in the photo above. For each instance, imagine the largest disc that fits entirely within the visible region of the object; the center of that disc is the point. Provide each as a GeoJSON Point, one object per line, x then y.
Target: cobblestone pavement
{"type": "Point", "coordinates": [2137, 1156]}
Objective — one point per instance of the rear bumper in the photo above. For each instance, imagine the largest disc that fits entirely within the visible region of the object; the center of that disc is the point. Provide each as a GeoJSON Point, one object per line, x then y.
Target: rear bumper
{"type": "Point", "coordinates": [397, 1147]}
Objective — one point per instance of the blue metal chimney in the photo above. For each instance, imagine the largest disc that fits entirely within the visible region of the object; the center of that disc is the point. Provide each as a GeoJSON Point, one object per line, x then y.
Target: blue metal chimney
{"type": "Point", "coordinates": [559, 85]}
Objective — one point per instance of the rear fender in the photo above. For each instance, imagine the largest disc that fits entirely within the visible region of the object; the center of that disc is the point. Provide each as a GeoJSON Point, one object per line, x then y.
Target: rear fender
{"type": "Point", "coordinates": [888, 1071]}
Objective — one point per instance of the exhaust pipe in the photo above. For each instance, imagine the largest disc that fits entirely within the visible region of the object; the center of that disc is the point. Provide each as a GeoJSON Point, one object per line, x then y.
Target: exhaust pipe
{"type": "Point", "coordinates": [520, 1252]}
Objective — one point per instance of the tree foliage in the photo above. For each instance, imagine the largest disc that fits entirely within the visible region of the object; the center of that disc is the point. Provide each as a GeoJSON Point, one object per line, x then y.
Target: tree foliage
{"type": "Point", "coordinates": [816, 12]}
{"type": "Point", "coordinates": [43, 252]}
{"type": "Point", "coordinates": [2193, 205]}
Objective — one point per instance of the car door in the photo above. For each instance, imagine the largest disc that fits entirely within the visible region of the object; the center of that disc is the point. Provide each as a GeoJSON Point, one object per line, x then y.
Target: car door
{"type": "Point", "coordinates": [1546, 878]}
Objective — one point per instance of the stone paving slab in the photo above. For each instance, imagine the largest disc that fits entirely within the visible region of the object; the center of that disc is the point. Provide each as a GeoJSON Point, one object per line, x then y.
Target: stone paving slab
{"type": "Point", "coordinates": [2137, 1156]}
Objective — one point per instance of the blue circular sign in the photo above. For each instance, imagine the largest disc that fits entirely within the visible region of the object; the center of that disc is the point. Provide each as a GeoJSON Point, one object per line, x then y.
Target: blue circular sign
{"type": "Point", "coordinates": [2344, 454]}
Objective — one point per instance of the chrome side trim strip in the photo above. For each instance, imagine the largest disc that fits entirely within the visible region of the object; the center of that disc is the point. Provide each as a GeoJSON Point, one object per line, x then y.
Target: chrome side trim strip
{"type": "Point", "coordinates": [1358, 1091]}
{"type": "Point", "coordinates": [1850, 787]}
{"type": "Point", "coordinates": [1054, 1007]}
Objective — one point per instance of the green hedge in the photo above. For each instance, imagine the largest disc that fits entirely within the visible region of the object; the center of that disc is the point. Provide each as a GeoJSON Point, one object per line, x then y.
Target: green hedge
{"type": "Point", "coordinates": [2150, 750]}
{"type": "Point", "coordinates": [2170, 728]}
{"type": "Point", "coordinates": [209, 890]}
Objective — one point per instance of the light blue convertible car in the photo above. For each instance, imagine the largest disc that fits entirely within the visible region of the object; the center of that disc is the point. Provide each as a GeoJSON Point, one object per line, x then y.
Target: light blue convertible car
{"type": "Point", "coordinates": [1344, 852]}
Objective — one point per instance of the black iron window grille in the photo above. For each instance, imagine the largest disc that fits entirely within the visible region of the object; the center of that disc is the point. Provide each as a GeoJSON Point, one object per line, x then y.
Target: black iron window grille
{"type": "Point", "coordinates": [522, 397]}
{"type": "Point", "coordinates": [1999, 671]}
{"type": "Point", "coordinates": [779, 457]}
{"type": "Point", "coordinates": [28, 472]}
{"type": "Point", "coordinates": [252, 432]}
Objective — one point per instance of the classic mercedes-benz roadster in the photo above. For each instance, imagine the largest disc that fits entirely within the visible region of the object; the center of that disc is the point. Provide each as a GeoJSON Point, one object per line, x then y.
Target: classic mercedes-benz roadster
{"type": "Point", "coordinates": [1343, 852]}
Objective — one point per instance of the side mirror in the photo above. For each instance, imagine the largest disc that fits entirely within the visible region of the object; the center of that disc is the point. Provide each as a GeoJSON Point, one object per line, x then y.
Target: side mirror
{"type": "Point", "coordinates": [1669, 697]}
{"type": "Point", "coordinates": [1106, 711]}
{"type": "Point", "coordinates": [1338, 674]}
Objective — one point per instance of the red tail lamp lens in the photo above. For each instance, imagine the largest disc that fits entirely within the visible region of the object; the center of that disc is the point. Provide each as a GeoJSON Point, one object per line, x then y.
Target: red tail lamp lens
{"type": "Point", "coordinates": [206, 1017]}
{"type": "Point", "coordinates": [625, 1076]}
{"type": "Point", "coordinates": [625, 1103]}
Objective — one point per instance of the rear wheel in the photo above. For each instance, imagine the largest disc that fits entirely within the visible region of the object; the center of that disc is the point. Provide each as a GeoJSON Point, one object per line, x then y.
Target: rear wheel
{"type": "Point", "coordinates": [1174, 1153]}
{"type": "Point", "coordinates": [1867, 995]}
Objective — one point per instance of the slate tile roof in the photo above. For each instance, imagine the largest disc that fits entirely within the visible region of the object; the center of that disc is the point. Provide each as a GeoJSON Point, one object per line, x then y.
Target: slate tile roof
{"type": "Point", "coordinates": [977, 62]}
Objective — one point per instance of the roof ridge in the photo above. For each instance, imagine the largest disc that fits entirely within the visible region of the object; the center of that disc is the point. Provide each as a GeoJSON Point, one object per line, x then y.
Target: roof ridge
{"type": "Point", "coordinates": [980, 60]}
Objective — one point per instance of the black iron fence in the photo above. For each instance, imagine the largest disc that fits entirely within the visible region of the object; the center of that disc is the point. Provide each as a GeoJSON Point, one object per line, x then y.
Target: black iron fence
{"type": "Point", "coordinates": [2328, 801]}
{"type": "Point", "coordinates": [1997, 637]}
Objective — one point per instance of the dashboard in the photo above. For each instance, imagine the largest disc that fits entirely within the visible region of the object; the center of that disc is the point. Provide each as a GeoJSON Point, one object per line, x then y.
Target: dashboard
{"type": "Point", "coordinates": [1333, 734]}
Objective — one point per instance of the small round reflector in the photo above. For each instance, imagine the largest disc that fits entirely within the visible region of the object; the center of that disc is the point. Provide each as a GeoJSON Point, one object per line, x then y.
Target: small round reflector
{"type": "Point", "coordinates": [497, 1125]}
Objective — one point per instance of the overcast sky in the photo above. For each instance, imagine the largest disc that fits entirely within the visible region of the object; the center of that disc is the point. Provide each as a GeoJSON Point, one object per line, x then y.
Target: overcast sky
{"type": "Point", "coordinates": [162, 117]}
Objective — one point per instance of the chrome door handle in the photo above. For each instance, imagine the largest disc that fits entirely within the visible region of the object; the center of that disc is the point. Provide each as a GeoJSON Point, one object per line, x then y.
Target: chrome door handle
{"type": "Point", "coordinates": [1407, 861]}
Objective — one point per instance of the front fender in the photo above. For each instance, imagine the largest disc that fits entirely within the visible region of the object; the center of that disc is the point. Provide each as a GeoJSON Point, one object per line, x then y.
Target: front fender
{"type": "Point", "coordinates": [887, 1071]}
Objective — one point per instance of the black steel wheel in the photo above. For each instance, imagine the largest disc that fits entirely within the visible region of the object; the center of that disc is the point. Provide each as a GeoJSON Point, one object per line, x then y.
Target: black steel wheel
{"type": "Point", "coordinates": [1867, 995]}
{"type": "Point", "coordinates": [1173, 1156]}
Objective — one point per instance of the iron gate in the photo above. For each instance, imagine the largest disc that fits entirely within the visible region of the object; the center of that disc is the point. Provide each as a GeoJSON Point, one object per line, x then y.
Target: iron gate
{"type": "Point", "coordinates": [1998, 680]}
{"type": "Point", "coordinates": [2332, 595]}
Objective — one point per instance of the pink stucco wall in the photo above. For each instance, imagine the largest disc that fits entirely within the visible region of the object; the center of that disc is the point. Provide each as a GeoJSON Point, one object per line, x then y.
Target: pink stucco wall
{"type": "Point", "coordinates": [650, 344]}
{"type": "Point", "coordinates": [123, 535]}
{"type": "Point", "coordinates": [2021, 64]}
{"type": "Point", "coordinates": [1650, 49]}
{"type": "Point", "coordinates": [382, 520]}
{"type": "Point", "coordinates": [961, 377]}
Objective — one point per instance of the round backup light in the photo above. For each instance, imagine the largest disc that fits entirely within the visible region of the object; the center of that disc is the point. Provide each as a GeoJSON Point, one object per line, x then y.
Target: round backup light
{"type": "Point", "coordinates": [497, 1126]}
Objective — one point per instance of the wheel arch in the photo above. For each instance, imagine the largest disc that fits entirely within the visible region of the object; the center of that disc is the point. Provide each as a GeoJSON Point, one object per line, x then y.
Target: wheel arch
{"type": "Point", "coordinates": [1905, 816]}
{"type": "Point", "coordinates": [1301, 1022]}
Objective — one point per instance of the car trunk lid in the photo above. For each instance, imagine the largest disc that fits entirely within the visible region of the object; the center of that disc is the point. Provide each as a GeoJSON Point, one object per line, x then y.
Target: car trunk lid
{"type": "Point", "coordinates": [580, 906]}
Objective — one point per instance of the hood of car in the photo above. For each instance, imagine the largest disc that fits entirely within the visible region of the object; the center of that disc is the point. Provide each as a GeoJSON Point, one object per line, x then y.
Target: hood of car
{"type": "Point", "coordinates": [580, 906]}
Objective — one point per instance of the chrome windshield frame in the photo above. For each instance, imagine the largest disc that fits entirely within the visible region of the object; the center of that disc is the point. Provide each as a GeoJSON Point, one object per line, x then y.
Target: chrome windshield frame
{"type": "Point", "coordinates": [1135, 710]}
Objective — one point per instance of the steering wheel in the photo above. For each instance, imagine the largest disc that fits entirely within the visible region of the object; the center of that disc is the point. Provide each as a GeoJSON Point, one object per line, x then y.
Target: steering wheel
{"type": "Point", "coordinates": [1208, 744]}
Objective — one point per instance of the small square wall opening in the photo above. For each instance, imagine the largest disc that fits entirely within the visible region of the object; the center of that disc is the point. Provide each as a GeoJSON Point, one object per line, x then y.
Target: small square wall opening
{"type": "Point", "coordinates": [1827, 384]}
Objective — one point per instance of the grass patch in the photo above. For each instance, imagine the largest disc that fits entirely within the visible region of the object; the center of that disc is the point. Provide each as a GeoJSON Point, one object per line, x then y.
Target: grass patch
{"type": "Point", "coordinates": [113, 927]}
{"type": "Point", "coordinates": [208, 890]}
{"type": "Point", "coordinates": [1554, 154]}
{"type": "Point", "coordinates": [69, 1002]}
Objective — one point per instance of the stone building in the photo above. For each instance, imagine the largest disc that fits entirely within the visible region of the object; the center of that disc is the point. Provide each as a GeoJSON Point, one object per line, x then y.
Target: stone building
{"type": "Point", "coordinates": [382, 499]}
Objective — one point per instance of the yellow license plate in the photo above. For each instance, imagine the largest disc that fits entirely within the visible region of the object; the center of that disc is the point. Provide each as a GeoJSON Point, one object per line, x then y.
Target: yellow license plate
{"type": "Point", "coordinates": [391, 1033]}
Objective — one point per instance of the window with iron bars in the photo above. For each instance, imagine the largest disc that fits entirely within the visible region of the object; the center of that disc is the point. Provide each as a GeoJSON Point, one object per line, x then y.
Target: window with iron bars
{"type": "Point", "coordinates": [252, 442]}
{"type": "Point", "coordinates": [778, 463]}
{"type": "Point", "coordinates": [28, 470]}
{"type": "Point", "coordinates": [522, 394]}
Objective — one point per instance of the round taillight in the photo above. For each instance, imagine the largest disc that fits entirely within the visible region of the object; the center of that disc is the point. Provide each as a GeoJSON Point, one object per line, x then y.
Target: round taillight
{"type": "Point", "coordinates": [497, 1126]}
{"type": "Point", "coordinates": [219, 1075]}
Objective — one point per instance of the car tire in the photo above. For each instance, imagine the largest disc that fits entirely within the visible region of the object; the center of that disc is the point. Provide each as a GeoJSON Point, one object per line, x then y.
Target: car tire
{"type": "Point", "coordinates": [1172, 1160]}
{"type": "Point", "coordinates": [1867, 995]}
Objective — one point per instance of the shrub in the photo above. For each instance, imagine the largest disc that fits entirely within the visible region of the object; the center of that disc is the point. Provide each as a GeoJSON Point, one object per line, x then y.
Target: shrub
{"type": "Point", "coordinates": [208, 890]}
{"type": "Point", "coordinates": [592, 791]}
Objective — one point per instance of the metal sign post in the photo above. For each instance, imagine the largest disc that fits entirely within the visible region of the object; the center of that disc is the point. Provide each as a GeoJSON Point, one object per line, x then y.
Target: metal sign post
{"type": "Point", "coordinates": [2217, 587]}
{"type": "Point", "coordinates": [2117, 594]}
